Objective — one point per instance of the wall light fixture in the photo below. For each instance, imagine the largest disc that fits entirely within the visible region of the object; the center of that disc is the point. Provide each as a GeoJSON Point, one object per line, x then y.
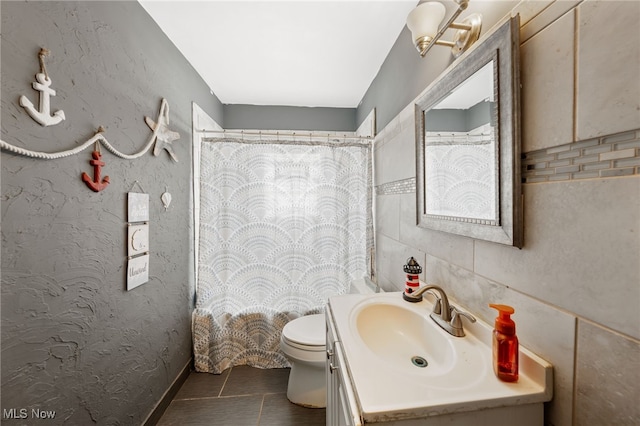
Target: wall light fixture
{"type": "Point", "coordinates": [424, 22]}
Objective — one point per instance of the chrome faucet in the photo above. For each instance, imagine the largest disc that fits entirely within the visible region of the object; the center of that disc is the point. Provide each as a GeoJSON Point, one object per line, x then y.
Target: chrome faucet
{"type": "Point", "coordinates": [447, 316]}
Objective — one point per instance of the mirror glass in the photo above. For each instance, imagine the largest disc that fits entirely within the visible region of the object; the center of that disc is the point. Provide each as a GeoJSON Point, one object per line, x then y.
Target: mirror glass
{"type": "Point", "coordinates": [460, 151]}
{"type": "Point", "coordinates": [468, 143]}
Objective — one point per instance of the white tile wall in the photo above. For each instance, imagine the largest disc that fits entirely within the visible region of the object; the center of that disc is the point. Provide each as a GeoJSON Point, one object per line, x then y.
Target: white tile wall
{"type": "Point", "coordinates": [547, 79]}
{"type": "Point", "coordinates": [542, 328]}
{"type": "Point", "coordinates": [608, 89]}
{"type": "Point", "coordinates": [581, 250]}
{"type": "Point", "coordinates": [536, 15]}
{"type": "Point", "coordinates": [607, 377]}
{"type": "Point", "coordinates": [390, 155]}
{"type": "Point", "coordinates": [388, 215]}
{"type": "Point", "coordinates": [576, 283]}
{"type": "Point", "coordinates": [457, 251]}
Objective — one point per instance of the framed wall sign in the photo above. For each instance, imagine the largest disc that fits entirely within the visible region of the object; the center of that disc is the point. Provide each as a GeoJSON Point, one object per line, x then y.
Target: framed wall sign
{"type": "Point", "coordinates": [138, 207]}
{"type": "Point", "coordinates": [138, 239]}
{"type": "Point", "coordinates": [137, 271]}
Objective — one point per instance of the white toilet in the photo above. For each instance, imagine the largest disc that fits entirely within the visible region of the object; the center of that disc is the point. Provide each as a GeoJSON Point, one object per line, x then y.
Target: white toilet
{"type": "Point", "coordinates": [303, 342]}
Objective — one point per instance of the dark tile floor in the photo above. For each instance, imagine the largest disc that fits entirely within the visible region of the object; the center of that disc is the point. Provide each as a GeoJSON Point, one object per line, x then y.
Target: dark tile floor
{"type": "Point", "coordinates": [239, 396]}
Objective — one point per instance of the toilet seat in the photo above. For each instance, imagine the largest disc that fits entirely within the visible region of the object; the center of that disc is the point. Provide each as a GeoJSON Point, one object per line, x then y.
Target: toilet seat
{"type": "Point", "coordinates": [306, 333]}
{"type": "Point", "coordinates": [306, 348]}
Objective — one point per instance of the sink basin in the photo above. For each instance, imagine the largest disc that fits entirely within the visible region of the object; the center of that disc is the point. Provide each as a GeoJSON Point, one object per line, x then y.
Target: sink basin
{"type": "Point", "coordinates": [408, 341]}
{"type": "Point", "coordinates": [398, 335]}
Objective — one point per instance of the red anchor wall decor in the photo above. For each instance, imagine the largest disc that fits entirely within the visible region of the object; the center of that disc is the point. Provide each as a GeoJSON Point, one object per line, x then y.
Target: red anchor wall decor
{"type": "Point", "coordinates": [95, 184]}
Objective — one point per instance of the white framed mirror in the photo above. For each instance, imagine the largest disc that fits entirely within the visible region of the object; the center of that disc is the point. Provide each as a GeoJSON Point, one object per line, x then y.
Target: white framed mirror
{"type": "Point", "coordinates": [468, 144]}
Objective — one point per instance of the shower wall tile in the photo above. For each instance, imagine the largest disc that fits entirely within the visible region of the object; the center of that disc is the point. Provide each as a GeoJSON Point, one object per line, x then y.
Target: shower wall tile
{"type": "Point", "coordinates": [547, 86]}
{"type": "Point", "coordinates": [535, 16]}
{"type": "Point", "coordinates": [388, 215]}
{"type": "Point", "coordinates": [390, 131]}
{"type": "Point", "coordinates": [385, 284]}
{"type": "Point", "coordinates": [608, 89]}
{"type": "Point", "coordinates": [580, 239]}
{"type": "Point", "coordinates": [392, 255]}
{"type": "Point", "coordinates": [407, 117]}
{"type": "Point", "coordinates": [607, 377]}
{"type": "Point", "coordinates": [396, 158]}
{"type": "Point", "coordinates": [541, 328]}
{"type": "Point", "coordinates": [455, 249]}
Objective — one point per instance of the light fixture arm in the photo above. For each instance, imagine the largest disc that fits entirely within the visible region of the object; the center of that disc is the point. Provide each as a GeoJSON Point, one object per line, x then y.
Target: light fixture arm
{"type": "Point", "coordinates": [460, 26]}
{"type": "Point", "coordinates": [436, 39]}
{"type": "Point", "coordinates": [468, 32]}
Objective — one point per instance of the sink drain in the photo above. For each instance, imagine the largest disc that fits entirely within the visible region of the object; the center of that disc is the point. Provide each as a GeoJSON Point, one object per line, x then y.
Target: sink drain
{"type": "Point", "coordinates": [418, 361]}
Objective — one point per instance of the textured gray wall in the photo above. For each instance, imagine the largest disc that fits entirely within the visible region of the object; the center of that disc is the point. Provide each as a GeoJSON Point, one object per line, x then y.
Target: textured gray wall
{"type": "Point", "coordinates": [273, 117]}
{"type": "Point", "coordinates": [74, 341]}
{"type": "Point", "coordinates": [404, 74]}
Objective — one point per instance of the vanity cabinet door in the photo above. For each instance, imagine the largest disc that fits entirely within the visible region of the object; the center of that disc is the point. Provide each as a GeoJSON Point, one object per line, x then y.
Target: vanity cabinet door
{"type": "Point", "coordinates": [342, 409]}
{"type": "Point", "coordinates": [348, 415]}
{"type": "Point", "coordinates": [332, 377]}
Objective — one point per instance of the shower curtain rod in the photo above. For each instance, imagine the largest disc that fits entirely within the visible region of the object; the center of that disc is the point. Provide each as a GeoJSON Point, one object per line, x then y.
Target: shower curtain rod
{"type": "Point", "coordinates": [307, 134]}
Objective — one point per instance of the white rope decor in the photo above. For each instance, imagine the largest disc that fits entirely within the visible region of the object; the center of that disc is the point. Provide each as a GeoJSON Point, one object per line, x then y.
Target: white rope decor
{"type": "Point", "coordinates": [98, 137]}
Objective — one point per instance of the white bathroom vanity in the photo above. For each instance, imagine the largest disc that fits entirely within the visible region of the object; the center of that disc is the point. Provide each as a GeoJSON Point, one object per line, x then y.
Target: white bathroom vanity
{"type": "Point", "coordinates": [389, 362]}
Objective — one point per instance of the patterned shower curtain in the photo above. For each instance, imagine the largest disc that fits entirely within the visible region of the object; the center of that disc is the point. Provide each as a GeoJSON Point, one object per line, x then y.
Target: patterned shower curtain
{"type": "Point", "coordinates": [283, 226]}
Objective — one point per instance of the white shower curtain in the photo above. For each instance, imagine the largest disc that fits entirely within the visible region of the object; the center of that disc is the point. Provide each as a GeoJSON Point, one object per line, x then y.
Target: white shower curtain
{"type": "Point", "coordinates": [283, 226]}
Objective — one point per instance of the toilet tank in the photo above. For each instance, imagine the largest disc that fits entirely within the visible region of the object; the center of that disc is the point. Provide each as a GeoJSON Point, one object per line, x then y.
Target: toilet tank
{"type": "Point", "coordinates": [363, 286]}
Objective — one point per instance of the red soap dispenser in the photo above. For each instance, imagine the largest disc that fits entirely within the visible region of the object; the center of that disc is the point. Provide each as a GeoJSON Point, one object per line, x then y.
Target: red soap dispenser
{"type": "Point", "coordinates": [505, 345]}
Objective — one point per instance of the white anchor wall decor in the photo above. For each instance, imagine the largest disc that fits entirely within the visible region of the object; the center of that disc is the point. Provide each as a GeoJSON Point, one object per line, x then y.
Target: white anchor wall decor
{"type": "Point", "coordinates": [42, 84]}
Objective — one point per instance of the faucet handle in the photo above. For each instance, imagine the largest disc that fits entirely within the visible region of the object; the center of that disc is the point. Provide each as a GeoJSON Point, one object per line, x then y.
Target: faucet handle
{"type": "Point", "coordinates": [437, 305]}
{"type": "Point", "coordinates": [456, 321]}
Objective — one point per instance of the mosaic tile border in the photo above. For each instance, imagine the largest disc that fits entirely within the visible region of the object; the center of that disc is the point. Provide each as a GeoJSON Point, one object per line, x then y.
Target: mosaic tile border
{"type": "Point", "coordinates": [404, 186]}
{"type": "Point", "coordinates": [604, 157]}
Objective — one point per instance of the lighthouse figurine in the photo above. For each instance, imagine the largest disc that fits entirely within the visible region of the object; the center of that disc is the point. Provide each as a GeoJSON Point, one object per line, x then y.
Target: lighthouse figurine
{"type": "Point", "coordinates": [413, 271]}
